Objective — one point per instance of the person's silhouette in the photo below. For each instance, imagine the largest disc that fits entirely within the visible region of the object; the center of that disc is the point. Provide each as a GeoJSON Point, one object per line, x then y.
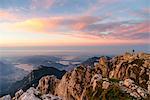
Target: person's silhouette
{"type": "Point", "coordinates": [133, 50]}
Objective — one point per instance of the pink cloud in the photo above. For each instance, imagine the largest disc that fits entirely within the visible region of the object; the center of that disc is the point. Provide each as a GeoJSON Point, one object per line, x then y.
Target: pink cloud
{"type": "Point", "coordinates": [79, 26]}
{"type": "Point", "coordinates": [131, 31]}
{"type": "Point", "coordinates": [88, 27]}
{"type": "Point", "coordinates": [81, 22]}
{"type": "Point", "coordinates": [6, 15]}
{"type": "Point", "coordinates": [146, 10]}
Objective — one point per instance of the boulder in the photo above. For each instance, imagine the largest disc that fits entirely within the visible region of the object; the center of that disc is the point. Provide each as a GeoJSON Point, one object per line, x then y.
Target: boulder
{"type": "Point", "coordinates": [30, 94]}
{"type": "Point", "coordinates": [18, 94]}
{"type": "Point", "coordinates": [6, 97]}
{"type": "Point", "coordinates": [128, 82]}
{"type": "Point", "coordinates": [105, 85]}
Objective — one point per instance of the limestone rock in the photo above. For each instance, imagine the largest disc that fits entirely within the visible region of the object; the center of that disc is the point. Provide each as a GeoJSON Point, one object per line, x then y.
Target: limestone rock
{"type": "Point", "coordinates": [128, 82]}
{"type": "Point", "coordinates": [130, 87]}
{"type": "Point", "coordinates": [148, 87]}
{"type": "Point", "coordinates": [30, 94]}
{"type": "Point", "coordinates": [18, 94]}
{"type": "Point", "coordinates": [34, 94]}
{"type": "Point", "coordinates": [47, 84]}
{"type": "Point", "coordinates": [50, 97]}
{"type": "Point", "coordinates": [105, 85]}
{"type": "Point", "coordinates": [95, 79]}
{"type": "Point", "coordinates": [73, 83]}
{"type": "Point", "coordinates": [132, 66]}
{"type": "Point", "coordinates": [6, 97]}
{"type": "Point", "coordinates": [103, 66]}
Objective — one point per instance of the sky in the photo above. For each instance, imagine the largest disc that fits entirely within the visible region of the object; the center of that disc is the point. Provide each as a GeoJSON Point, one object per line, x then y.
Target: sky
{"type": "Point", "coordinates": [113, 25]}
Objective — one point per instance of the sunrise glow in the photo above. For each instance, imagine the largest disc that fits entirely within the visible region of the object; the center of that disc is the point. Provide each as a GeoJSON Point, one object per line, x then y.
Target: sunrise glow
{"type": "Point", "coordinates": [73, 23]}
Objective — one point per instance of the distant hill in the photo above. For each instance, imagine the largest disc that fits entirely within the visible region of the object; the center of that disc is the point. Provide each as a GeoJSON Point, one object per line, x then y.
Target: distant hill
{"type": "Point", "coordinates": [33, 78]}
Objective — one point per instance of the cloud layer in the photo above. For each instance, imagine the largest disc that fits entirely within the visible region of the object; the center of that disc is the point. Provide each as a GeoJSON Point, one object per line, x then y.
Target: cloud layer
{"type": "Point", "coordinates": [97, 22]}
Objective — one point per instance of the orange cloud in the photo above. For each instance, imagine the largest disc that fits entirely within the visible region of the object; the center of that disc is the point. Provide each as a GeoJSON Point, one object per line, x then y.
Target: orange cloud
{"type": "Point", "coordinates": [35, 25]}
{"type": "Point", "coordinates": [38, 25]}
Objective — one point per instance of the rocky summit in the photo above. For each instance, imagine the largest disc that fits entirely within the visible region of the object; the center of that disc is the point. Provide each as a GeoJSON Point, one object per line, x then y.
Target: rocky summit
{"type": "Point", "coordinates": [124, 77]}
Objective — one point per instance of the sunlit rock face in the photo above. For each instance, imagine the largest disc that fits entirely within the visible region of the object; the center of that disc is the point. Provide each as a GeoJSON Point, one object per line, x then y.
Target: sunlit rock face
{"type": "Point", "coordinates": [136, 67]}
{"type": "Point", "coordinates": [72, 84]}
{"type": "Point", "coordinates": [103, 66]}
{"type": "Point", "coordinates": [95, 78]}
{"type": "Point", "coordinates": [47, 84]}
{"type": "Point", "coordinates": [134, 90]}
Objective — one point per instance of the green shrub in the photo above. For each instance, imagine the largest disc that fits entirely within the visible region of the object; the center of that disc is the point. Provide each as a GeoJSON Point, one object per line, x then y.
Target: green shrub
{"type": "Point", "coordinates": [112, 93]}
{"type": "Point", "coordinates": [114, 80]}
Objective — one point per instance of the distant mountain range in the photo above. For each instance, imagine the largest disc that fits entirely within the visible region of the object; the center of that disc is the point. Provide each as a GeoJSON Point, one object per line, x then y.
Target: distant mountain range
{"type": "Point", "coordinates": [32, 79]}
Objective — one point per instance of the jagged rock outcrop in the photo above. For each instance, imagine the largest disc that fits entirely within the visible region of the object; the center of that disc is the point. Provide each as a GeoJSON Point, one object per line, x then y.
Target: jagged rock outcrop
{"type": "Point", "coordinates": [133, 66]}
{"type": "Point", "coordinates": [105, 89]}
{"type": "Point", "coordinates": [18, 94]}
{"type": "Point", "coordinates": [6, 97]}
{"type": "Point", "coordinates": [72, 84]}
{"type": "Point", "coordinates": [103, 67]}
{"type": "Point", "coordinates": [47, 84]}
{"type": "Point", "coordinates": [134, 90]}
{"type": "Point", "coordinates": [31, 94]}
{"type": "Point", "coordinates": [95, 79]}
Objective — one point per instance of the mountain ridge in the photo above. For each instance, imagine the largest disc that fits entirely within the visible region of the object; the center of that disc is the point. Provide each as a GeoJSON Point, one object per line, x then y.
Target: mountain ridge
{"type": "Point", "coordinates": [32, 78]}
{"type": "Point", "coordinates": [124, 77]}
